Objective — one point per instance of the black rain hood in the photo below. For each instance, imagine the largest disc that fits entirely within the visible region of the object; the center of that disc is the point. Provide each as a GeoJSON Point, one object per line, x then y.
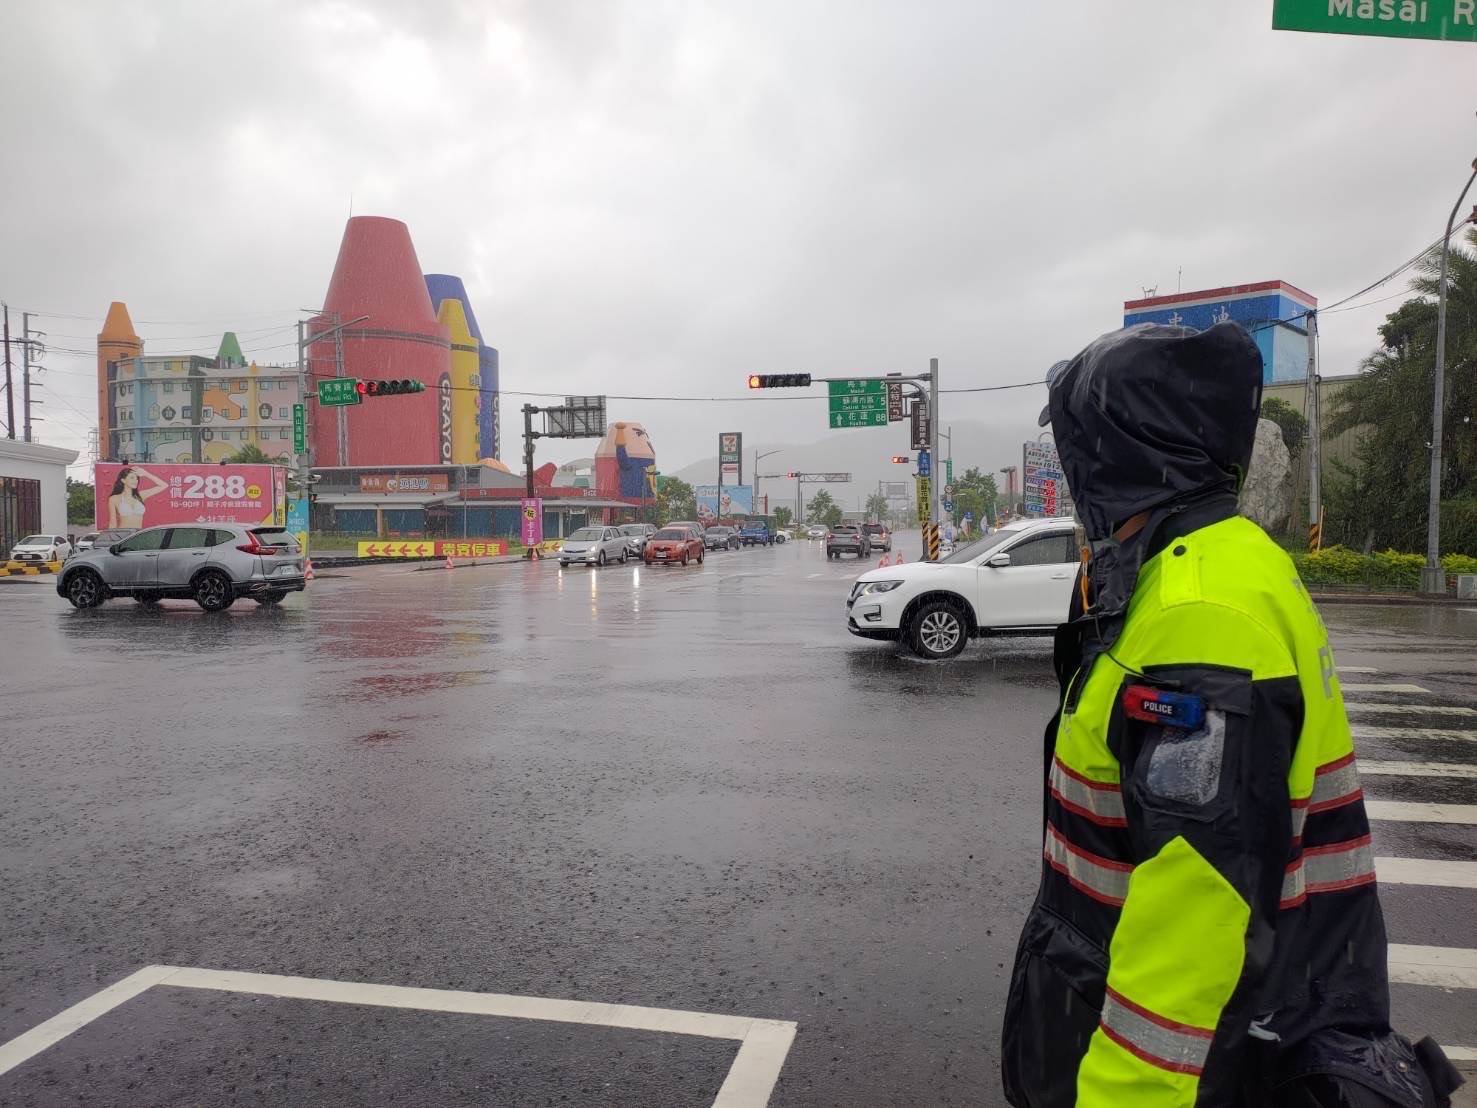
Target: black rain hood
{"type": "Point", "coordinates": [1151, 415]}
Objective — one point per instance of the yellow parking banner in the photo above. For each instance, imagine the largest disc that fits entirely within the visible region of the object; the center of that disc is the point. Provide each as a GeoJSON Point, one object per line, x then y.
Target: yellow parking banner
{"type": "Point", "coordinates": [425, 549]}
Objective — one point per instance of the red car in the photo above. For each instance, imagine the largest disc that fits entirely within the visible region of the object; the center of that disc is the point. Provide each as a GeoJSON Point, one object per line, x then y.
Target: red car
{"type": "Point", "coordinates": [674, 544]}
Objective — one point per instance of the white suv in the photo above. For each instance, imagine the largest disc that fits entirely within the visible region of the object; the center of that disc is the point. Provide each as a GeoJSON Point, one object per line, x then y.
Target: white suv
{"type": "Point", "coordinates": [1020, 577]}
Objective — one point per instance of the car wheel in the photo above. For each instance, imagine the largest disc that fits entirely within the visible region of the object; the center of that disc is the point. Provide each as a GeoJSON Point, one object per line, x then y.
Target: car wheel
{"type": "Point", "coordinates": [937, 631]}
{"type": "Point", "coordinates": [600, 558]}
{"type": "Point", "coordinates": [269, 599]}
{"type": "Point", "coordinates": [624, 557]}
{"type": "Point", "coordinates": [699, 559]}
{"type": "Point", "coordinates": [684, 557]}
{"type": "Point", "coordinates": [212, 591]}
{"type": "Point", "coordinates": [85, 589]}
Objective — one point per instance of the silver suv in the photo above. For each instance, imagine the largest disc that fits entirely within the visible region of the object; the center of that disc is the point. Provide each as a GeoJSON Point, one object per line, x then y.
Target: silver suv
{"type": "Point", "coordinates": [211, 565]}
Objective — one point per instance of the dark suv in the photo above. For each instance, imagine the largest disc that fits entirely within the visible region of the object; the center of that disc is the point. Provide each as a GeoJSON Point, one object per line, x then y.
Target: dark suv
{"type": "Point", "coordinates": [848, 538]}
{"type": "Point", "coordinates": [879, 534]}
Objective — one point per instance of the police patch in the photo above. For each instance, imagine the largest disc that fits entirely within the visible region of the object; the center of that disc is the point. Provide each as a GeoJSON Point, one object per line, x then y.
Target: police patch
{"type": "Point", "coordinates": [1169, 709]}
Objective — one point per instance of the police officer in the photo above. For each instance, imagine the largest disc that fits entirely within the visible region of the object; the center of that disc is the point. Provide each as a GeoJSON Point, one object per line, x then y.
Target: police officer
{"type": "Point", "coordinates": [1207, 930]}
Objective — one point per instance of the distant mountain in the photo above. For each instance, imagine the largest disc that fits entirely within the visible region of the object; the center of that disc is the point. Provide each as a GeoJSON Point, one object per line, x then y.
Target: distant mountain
{"type": "Point", "coordinates": [865, 455]}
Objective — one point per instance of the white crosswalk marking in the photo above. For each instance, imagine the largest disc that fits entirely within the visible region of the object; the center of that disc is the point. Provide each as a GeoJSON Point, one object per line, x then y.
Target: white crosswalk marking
{"type": "Point", "coordinates": [1357, 669]}
{"type": "Point", "coordinates": [1409, 811]}
{"type": "Point", "coordinates": [1358, 708]}
{"type": "Point", "coordinates": [1426, 871]}
{"type": "Point", "coordinates": [1453, 735]}
{"type": "Point", "coordinates": [1416, 769]}
{"type": "Point", "coordinates": [1382, 688]}
{"type": "Point", "coordinates": [1447, 966]}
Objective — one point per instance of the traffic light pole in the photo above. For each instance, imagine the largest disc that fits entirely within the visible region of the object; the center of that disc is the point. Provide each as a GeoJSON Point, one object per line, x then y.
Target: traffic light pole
{"type": "Point", "coordinates": [935, 464]}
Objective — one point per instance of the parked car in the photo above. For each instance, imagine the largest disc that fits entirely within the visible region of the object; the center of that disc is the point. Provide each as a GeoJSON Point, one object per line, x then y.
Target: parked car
{"type": "Point", "coordinates": [675, 544]}
{"type": "Point", "coordinates": [756, 533]}
{"type": "Point", "coordinates": [94, 539]}
{"type": "Point", "coordinates": [636, 536]}
{"type": "Point", "coordinates": [880, 535]}
{"type": "Point", "coordinates": [1018, 578]}
{"type": "Point", "coordinates": [42, 548]}
{"type": "Point", "coordinates": [214, 566]}
{"type": "Point", "coordinates": [720, 538]}
{"type": "Point", "coordinates": [594, 546]}
{"type": "Point", "coordinates": [848, 538]}
{"type": "Point", "coordinates": [783, 535]}
{"type": "Point", "coordinates": [816, 532]}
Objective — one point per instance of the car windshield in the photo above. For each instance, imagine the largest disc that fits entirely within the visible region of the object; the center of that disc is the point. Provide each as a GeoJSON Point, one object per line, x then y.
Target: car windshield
{"type": "Point", "coordinates": [634, 529]}
{"type": "Point", "coordinates": [586, 534]}
{"type": "Point", "coordinates": [35, 540]}
{"type": "Point", "coordinates": [670, 533]}
{"type": "Point", "coordinates": [980, 546]}
{"type": "Point", "coordinates": [717, 530]}
{"type": "Point", "coordinates": [843, 529]}
{"type": "Point", "coordinates": [873, 528]}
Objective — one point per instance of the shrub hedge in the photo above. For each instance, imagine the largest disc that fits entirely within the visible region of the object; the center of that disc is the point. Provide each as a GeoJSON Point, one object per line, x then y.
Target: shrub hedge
{"type": "Point", "coordinates": [1388, 569]}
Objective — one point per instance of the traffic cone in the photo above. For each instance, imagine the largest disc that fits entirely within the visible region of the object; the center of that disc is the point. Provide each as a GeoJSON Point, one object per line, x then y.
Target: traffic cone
{"type": "Point", "coordinates": [882, 562]}
{"type": "Point", "coordinates": [449, 563]}
{"type": "Point", "coordinates": [308, 575]}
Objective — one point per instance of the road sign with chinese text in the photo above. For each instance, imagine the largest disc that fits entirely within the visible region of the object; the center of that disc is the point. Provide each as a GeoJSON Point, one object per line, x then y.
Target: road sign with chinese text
{"type": "Point", "coordinates": [299, 429]}
{"type": "Point", "coordinates": [338, 391]}
{"type": "Point", "coordinates": [894, 401]}
{"type": "Point", "coordinates": [860, 403]}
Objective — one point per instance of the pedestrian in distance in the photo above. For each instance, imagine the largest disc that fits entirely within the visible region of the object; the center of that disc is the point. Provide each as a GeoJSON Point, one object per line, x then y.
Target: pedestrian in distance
{"type": "Point", "coordinates": [1207, 930]}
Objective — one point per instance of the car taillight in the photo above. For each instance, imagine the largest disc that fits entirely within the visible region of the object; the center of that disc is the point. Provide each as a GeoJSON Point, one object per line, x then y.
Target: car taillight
{"type": "Point", "coordinates": [254, 547]}
{"type": "Point", "coordinates": [829, 535]}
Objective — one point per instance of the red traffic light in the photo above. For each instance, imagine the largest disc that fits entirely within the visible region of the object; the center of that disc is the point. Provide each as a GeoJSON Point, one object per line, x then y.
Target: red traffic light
{"type": "Point", "coordinates": [901, 459]}
{"type": "Point", "coordinates": [779, 380]}
{"type": "Point", "coordinates": [755, 381]}
{"type": "Point", "coordinates": [792, 473]}
{"type": "Point", "coordinates": [394, 387]}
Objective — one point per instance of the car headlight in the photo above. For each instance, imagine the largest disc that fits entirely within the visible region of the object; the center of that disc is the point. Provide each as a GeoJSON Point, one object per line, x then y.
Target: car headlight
{"type": "Point", "coordinates": [878, 586]}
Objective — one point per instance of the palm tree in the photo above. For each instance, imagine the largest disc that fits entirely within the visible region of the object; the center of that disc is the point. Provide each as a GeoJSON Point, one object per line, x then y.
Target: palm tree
{"type": "Point", "coordinates": [252, 454]}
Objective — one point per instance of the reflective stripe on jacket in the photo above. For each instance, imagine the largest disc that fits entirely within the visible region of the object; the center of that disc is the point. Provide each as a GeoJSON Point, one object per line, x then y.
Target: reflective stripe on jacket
{"type": "Point", "coordinates": [1195, 881]}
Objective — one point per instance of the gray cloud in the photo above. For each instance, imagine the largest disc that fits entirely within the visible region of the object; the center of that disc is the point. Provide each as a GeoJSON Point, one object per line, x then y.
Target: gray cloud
{"type": "Point", "coordinates": [657, 198]}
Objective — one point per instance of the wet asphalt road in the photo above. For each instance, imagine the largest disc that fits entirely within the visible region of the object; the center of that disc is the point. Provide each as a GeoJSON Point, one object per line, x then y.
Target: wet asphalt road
{"type": "Point", "coordinates": [681, 788]}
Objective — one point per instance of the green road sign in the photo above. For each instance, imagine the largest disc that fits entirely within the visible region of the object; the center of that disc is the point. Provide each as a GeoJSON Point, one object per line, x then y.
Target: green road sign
{"type": "Point", "coordinates": [859, 417]}
{"type": "Point", "coordinates": [1439, 19]}
{"type": "Point", "coordinates": [299, 429]}
{"type": "Point", "coordinates": [858, 403]}
{"type": "Point", "coordinates": [949, 472]}
{"type": "Point", "coordinates": [339, 391]}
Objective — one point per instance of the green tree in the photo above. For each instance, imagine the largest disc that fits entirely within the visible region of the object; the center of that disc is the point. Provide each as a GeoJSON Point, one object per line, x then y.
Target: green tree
{"type": "Point", "coordinates": [820, 505]}
{"type": "Point", "coordinates": [674, 500]}
{"type": "Point", "coordinates": [975, 493]}
{"type": "Point", "coordinates": [1294, 426]}
{"type": "Point", "coordinates": [833, 515]}
{"type": "Point", "coordinates": [81, 499]}
{"type": "Point", "coordinates": [783, 516]}
{"type": "Point", "coordinates": [252, 454]}
{"type": "Point", "coordinates": [1381, 497]}
{"type": "Point", "coordinates": [877, 507]}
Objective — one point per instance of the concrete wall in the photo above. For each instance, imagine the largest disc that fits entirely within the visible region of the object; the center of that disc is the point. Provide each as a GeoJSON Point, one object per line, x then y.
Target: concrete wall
{"type": "Point", "coordinates": [47, 464]}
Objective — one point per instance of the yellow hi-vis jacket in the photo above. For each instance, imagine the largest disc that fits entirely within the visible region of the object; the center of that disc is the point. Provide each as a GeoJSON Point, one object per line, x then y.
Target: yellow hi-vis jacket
{"type": "Point", "coordinates": [1207, 877]}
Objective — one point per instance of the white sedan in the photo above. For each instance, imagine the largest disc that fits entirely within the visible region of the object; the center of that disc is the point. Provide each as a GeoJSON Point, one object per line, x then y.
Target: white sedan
{"type": "Point", "coordinates": [1018, 578]}
{"type": "Point", "coordinates": [42, 548]}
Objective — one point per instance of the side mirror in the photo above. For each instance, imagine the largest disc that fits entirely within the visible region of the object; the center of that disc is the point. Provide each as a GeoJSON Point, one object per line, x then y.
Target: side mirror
{"type": "Point", "coordinates": [999, 561]}
{"type": "Point", "coordinates": [116, 548]}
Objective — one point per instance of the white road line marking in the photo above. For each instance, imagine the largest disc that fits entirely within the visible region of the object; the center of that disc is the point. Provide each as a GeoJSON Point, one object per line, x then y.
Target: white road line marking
{"type": "Point", "coordinates": [1416, 769]}
{"type": "Point", "coordinates": [1357, 709]}
{"type": "Point", "coordinates": [1448, 734]}
{"type": "Point", "coordinates": [31, 1043]}
{"type": "Point", "coordinates": [763, 1043]}
{"type": "Point", "coordinates": [1448, 967]}
{"type": "Point", "coordinates": [1383, 688]}
{"type": "Point", "coordinates": [1357, 669]}
{"type": "Point", "coordinates": [1461, 1053]}
{"type": "Point", "coordinates": [1426, 871]}
{"type": "Point", "coordinates": [1407, 811]}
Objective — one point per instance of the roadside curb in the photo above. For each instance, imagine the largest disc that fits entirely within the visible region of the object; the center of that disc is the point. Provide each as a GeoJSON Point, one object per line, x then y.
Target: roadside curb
{"type": "Point", "coordinates": [1402, 600]}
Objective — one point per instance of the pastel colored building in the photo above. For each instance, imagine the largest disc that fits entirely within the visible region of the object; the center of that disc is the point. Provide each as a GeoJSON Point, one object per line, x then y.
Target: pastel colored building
{"type": "Point", "coordinates": [458, 394]}
{"type": "Point", "coordinates": [1273, 311]}
{"type": "Point", "coordinates": [622, 461]}
{"type": "Point", "coordinates": [173, 408]}
{"type": "Point", "coordinates": [443, 287]}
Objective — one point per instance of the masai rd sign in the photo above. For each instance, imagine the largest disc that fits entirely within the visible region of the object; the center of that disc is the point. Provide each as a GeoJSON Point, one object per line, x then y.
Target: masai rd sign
{"type": "Point", "coordinates": [339, 391]}
{"type": "Point", "coordinates": [1438, 19]}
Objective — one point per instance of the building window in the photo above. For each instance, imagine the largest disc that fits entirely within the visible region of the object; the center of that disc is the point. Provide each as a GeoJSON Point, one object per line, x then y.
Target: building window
{"type": "Point", "coordinates": [207, 413]}
{"type": "Point", "coordinates": [168, 386]}
{"type": "Point", "coordinates": [187, 413]}
{"type": "Point", "coordinates": [154, 411]}
{"type": "Point", "coordinates": [264, 385]}
{"type": "Point", "coordinates": [240, 385]}
{"type": "Point", "coordinates": [283, 413]}
{"type": "Point", "coordinates": [282, 432]}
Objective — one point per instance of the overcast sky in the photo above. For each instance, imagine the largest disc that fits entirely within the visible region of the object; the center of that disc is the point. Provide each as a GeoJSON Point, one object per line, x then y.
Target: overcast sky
{"type": "Point", "coordinates": [659, 197]}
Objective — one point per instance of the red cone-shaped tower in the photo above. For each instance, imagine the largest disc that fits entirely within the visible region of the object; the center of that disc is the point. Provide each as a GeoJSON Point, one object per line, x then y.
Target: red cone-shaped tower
{"type": "Point", "coordinates": [378, 275]}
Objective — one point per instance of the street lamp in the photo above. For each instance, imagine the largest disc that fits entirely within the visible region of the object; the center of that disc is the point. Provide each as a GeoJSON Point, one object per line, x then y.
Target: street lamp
{"type": "Point", "coordinates": [1433, 577]}
{"type": "Point", "coordinates": [758, 457]}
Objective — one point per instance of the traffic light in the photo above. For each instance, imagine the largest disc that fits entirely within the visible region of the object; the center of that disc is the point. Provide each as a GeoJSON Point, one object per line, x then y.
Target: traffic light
{"type": "Point", "coordinates": [779, 380]}
{"type": "Point", "coordinates": [792, 473]}
{"type": "Point", "coordinates": [398, 387]}
{"type": "Point", "coordinates": [902, 459]}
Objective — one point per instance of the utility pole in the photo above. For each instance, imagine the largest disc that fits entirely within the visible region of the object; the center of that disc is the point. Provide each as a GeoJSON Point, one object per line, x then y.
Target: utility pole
{"type": "Point", "coordinates": [528, 437]}
{"type": "Point", "coordinates": [1313, 407]}
{"type": "Point", "coordinates": [305, 459]}
{"type": "Point", "coordinates": [1433, 576]}
{"type": "Point", "coordinates": [9, 382]}
{"type": "Point", "coordinates": [935, 468]}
